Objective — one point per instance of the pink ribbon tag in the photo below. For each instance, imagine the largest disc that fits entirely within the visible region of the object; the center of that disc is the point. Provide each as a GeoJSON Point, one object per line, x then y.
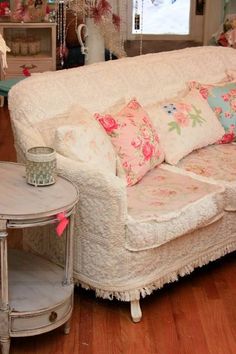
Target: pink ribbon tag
{"type": "Point", "coordinates": [63, 222]}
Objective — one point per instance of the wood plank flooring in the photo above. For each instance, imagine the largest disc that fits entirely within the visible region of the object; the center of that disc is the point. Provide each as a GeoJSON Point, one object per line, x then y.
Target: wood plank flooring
{"type": "Point", "coordinates": [196, 315]}
{"type": "Point", "coordinates": [7, 150]}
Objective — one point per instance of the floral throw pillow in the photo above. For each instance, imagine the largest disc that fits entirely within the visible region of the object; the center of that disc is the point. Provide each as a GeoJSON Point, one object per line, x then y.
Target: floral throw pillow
{"type": "Point", "coordinates": [222, 100]}
{"type": "Point", "coordinates": [134, 139]}
{"type": "Point", "coordinates": [184, 124]}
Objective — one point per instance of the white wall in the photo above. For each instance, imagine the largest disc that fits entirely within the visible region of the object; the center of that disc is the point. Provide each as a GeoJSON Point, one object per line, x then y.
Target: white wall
{"type": "Point", "coordinates": [212, 18]}
{"type": "Point", "coordinates": [232, 6]}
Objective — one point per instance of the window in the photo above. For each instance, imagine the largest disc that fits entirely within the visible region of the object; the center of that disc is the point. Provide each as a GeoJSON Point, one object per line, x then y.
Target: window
{"type": "Point", "coordinates": [161, 17]}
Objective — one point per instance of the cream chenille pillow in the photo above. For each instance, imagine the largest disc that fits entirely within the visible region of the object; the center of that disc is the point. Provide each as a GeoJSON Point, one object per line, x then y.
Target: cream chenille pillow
{"type": "Point", "coordinates": [184, 124]}
{"type": "Point", "coordinates": [86, 142]}
{"type": "Point", "coordinates": [73, 116]}
{"type": "Point", "coordinates": [48, 127]}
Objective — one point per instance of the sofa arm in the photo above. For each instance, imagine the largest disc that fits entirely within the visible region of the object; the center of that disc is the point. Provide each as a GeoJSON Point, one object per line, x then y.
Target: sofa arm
{"type": "Point", "coordinates": [94, 184]}
{"type": "Point", "coordinates": [90, 180]}
{"type": "Point", "coordinates": [100, 220]}
{"type": "Point", "coordinates": [25, 137]}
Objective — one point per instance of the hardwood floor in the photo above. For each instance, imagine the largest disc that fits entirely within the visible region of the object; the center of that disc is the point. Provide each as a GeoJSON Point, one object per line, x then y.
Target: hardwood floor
{"type": "Point", "coordinates": [196, 315]}
{"type": "Point", "coordinates": [7, 151]}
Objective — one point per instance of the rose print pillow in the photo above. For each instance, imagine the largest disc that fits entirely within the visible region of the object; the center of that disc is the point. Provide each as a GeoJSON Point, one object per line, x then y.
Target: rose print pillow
{"type": "Point", "coordinates": [222, 100]}
{"type": "Point", "coordinates": [184, 124]}
{"type": "Point", "coordinates": [134, 139]}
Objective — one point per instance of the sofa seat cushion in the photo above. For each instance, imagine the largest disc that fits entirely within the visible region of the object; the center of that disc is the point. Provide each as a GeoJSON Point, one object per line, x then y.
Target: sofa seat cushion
{"type": "Point", "coordinates": [216, 163]}
{"type": "Point", "coordinates": [166, 205]}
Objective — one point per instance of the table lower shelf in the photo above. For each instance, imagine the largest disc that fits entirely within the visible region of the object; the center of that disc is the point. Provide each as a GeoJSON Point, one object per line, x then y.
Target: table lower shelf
{"type": "Point", "coordinates": [38, 300]}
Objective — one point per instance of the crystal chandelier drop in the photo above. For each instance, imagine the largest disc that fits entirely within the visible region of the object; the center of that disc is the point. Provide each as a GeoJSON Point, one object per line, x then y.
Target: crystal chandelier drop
{"type": "Point", "coordinates": [138, 22]}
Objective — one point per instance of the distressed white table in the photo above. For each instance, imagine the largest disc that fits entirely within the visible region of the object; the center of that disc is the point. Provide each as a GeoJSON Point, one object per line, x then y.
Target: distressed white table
{"type": "Point", "coordinates": [36, 295]}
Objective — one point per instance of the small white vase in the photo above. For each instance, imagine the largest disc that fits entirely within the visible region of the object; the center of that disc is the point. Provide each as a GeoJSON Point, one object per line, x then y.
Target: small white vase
{"type": "Point", "coordinates": [94, 46]}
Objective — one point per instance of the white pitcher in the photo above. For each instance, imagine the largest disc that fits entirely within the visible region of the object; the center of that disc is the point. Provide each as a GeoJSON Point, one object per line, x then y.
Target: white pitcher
{"type": "Point", "coordinates": [94, 46]}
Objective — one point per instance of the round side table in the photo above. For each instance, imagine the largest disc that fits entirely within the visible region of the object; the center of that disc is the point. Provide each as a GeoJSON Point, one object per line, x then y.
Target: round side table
{"type": "Point", "coordinates": [36, 295]}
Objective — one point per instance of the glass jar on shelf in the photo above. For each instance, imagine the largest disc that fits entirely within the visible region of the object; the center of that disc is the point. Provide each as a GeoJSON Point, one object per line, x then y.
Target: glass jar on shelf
{"type": "Point", "coordinates": [32, 46]}
{"type": "Point", "coordinates": [15, 46]}
{"type": "Point", "coordinates": [38, 45]}
{"type": "Point", "coordinates": [23, 46]}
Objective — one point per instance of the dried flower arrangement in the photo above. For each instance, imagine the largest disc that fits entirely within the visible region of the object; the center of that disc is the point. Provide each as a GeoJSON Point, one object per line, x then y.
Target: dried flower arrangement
{"type": "Point", "coordinates": [226, 35]}
{"type": "Point", "coordinates": [4, 8]}
{"type": "Point", "coordinates": [108, 22]}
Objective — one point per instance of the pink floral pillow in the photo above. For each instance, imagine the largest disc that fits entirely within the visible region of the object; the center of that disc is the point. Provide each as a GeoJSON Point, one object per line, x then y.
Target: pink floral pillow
{"type": "Point", "coordinates": [134, 139]}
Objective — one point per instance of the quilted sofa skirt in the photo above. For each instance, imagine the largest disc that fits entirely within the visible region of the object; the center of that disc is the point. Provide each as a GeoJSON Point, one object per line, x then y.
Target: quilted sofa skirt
{"type": "Point", "coordinates": [116, 272]}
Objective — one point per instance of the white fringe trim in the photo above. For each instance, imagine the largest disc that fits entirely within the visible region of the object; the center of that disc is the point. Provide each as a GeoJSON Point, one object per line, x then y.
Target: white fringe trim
{"type": "Point", "coordinates": [136, 294]}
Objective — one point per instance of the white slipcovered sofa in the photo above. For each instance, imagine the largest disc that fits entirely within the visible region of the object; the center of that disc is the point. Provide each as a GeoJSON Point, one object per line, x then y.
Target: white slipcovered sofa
{"type": "Point", "coordinates": [126, 244]}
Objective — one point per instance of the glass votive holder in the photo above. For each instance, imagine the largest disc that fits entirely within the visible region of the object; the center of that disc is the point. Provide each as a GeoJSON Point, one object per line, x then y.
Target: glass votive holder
{"type": "Point", "coordinates": [41, 166]}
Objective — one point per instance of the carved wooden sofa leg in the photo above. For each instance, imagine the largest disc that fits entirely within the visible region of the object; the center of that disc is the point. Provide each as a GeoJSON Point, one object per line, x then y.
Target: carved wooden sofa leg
{"type": "Point", "coordinates": [135, 309]}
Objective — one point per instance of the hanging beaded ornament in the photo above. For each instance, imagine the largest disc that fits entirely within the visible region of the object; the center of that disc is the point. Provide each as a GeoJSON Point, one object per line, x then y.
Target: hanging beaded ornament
{"type": "Point", "coordinates": [141, 31]}
{"type": "Point", "coordinates": [138, 23]}
{"type": "Point", "coordinates": [136, 17]}
{"type": "Point", "coordinates": [61, 30]}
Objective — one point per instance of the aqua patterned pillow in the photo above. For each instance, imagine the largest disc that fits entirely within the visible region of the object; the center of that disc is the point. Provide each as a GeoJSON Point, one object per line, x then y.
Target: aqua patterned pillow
{"type": "Point", "coordinates": [222, 100]}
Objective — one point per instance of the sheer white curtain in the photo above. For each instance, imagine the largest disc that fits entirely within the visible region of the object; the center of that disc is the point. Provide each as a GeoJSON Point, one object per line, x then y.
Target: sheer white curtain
{"type": "Point", "coordinates": [120, 7]}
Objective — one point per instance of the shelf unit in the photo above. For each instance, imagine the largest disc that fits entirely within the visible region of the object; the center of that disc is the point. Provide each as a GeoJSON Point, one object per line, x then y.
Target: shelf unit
{"type": "Point", "coordinates": [18, 37]}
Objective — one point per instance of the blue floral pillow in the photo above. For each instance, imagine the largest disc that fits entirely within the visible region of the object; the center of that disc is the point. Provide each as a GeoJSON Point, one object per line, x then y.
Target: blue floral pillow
{"type": "Point", "coordinates": [222, 100]}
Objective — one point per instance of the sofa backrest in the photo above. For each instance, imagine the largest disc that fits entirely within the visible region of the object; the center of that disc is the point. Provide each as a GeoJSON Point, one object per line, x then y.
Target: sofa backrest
{"type": "Point", "coordinates": [149, 77]}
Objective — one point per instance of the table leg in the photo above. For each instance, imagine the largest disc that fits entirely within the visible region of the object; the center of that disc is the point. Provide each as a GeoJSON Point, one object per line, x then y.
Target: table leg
{"type": "Point", "coordinates": [68, 280]}
{"type": "Point", "coordinates": [5, 344]}
{"type": "Point", "coordinates": [69, 250]}
{"type": "Point", "coordinates": [4, 302]}
{"type": "Point", "coordinates": [3, 273]}
{"type": "Point", "coordinates": [67, 327]}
